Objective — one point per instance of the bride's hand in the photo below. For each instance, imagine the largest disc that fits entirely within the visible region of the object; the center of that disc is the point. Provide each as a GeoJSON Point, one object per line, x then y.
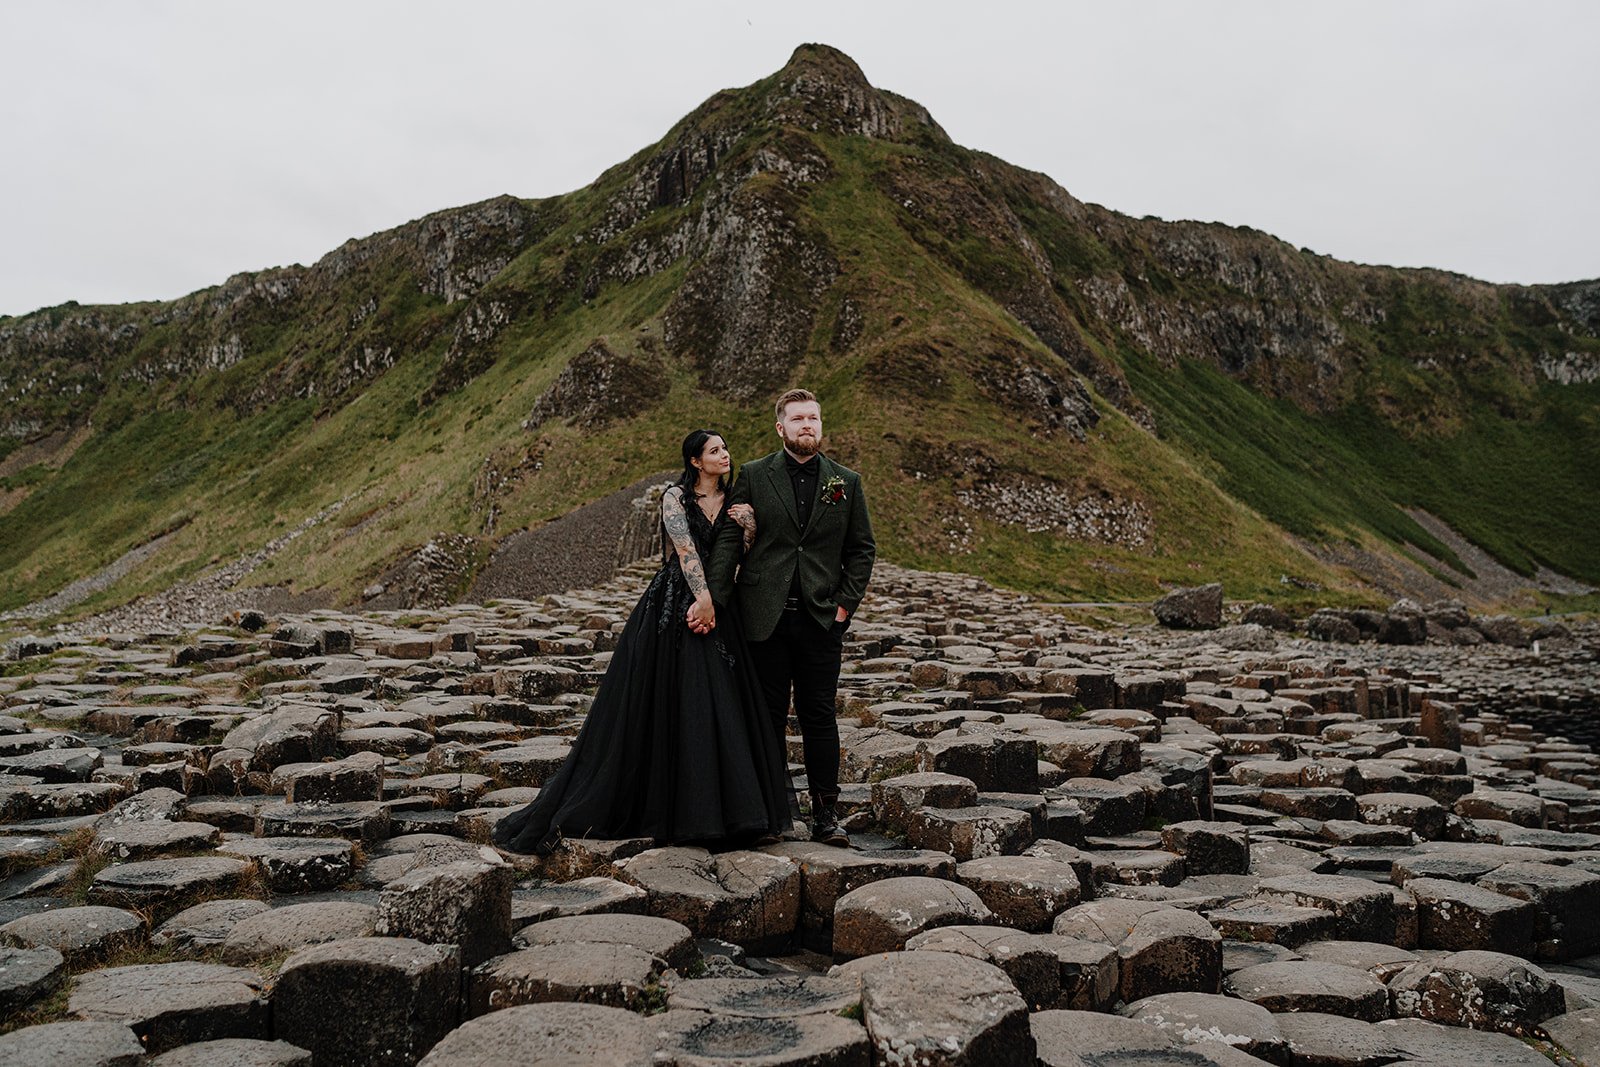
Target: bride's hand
{"type": "Point", "coordinates": [702, 616]}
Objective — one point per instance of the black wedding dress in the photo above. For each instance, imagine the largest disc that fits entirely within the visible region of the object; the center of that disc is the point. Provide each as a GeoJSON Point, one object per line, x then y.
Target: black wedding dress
{"type": "Point", "coordinates": [677, 745]}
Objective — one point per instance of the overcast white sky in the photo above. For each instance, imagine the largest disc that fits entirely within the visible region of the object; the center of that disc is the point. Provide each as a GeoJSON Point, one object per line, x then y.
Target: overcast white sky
{"type": "Point", "coordinates": [148, 149]}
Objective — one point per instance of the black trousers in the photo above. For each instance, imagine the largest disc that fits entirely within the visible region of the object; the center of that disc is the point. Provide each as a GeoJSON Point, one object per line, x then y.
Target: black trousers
{"type": "Point", "coordinates": [804, 657]}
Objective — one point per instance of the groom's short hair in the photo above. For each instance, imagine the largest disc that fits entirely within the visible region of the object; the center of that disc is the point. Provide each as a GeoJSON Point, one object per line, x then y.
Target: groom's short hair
{"type": "Point", "coordinates": [795, 396]}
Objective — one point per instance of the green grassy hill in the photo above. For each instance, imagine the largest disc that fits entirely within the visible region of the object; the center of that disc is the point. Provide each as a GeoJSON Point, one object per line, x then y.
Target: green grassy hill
{"type": "Point", "coordinates": [1060, 398]}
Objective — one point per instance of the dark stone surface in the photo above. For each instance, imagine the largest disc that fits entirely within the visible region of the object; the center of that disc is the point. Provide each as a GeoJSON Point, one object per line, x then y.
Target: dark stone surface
{"type": "Point", "coordinates": [940, 1008]}
{"type": "Point", "coordinates": [593, 972]}
{"type": "Point", "coordinates": [26, 974]}
{"type": "Point", "coordinates": [235, 1052]}
{"type": "Point", "coordinates": [465, 903]}
{"type": "Point", "coordinates": [881, 916]}
{"type": "Point", "coordinates": [376, 1001]}
{"type": "Point", "coordinates": [172, 1004]}
{"type": "Point", "coordinates": [670, 940]}
{"type": "Point", "coordinates": [81, 934]}
{"type": "Point", "coordinates": [582, 1035]}
{"type": "Point", "coordinates": [71, 1044]}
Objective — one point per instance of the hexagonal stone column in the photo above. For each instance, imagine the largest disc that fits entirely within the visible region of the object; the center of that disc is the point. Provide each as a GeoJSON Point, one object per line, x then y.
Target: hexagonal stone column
{"type": "Point", "coordinates": [287, 929]}
{"type": "Point", "coordinates": [171, 1004]}
{"type": "Point", "coordinates": [536, 901]}
{"type": "Point", "coordinates": [1434, 1043]}
{"type": "Point", "coordinates": [204, 926]}
{"type": "Point", "coordinates": [356, 777]}
{"type": "Point", "coordinates": [1424, 815]}
{"type": "Point", "coordinates": [937, 1009]}
{"type": "Point", "coordinates": [1071, 1038]}
{"type": "Point", "coordinates": [1209, 847]}
{"type": "Point", "coordinates": [672, 941]}
{"type": "Point", "coordinates": [77, 1044]}
{"type": "Point", "coordinates": [882, 916]}
{"type": "Point", "coordinates": [749, 898]}
{"type": "Point", "coordinates": [1365, 911]}
{"type": "Point", "coordinates": [1024, 892]}
{"type": "Point", "coordinates": [297, 864]}
{"type": "Point", "coordinates": [159, 883]}
{"type": "Point", "coordinates": [1027, 959]}
{"type": "Point", "coordinates": [139, 840]}
{"type": "Point", "coordinates": [1457, 916]}
{"type": "Point", "coordinates": [465, 903]}
{"type": "Point", "coordinates": [593, 972]}
{"type": "Point", "coordinates": [585, 1034]}
{"type": "Point", "coordinates": [235, 1052]}
{"type": "Point", "coordinates": [366, 821]}
{"type": "Point", "coordinates": [1481, 990]}
{"type": "Point", "coordinates": [696, 1037]}
{"type": "Point", "coordinates": [970, 833]}
{"type": "Point", "coordinates": [1304, 985]}
{"type": "Point", "coordinates": [894, 799]}
{"type": "Point", "coordinates": [368, 1001]}
{"type": "Point", "coordinates": [79, 934]}
{"type": "Point", "coordinates": [828, 873]}
{"type": "Point", "coordinates": [779, 997]}
{"type": "Point", "coordinates": [26, 974]}
{"type": "Point", "coordinates": [1205, 1021]}
{"type": "Point", "coordinates": [1524, 809]}
{"type": "Point", "coordinates": [1566, 917]}
{"type": "Point", "coordinates": [1271, 922]}
{"type": "Point", "coordinates": [1162, 949]}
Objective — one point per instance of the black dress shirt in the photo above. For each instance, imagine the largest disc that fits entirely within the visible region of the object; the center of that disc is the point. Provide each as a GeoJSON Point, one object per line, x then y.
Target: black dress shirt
{"type": "Point", "coordinates": [803, 476]}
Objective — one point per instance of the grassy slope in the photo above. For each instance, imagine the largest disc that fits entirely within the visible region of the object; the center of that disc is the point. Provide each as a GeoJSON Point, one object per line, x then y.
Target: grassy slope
{"type": "Point", "coordinates": [1514, 486]}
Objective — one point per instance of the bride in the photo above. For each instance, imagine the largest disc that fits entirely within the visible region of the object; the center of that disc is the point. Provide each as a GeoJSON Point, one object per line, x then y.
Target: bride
{"type": "Point", "coordinates": [677, 745]}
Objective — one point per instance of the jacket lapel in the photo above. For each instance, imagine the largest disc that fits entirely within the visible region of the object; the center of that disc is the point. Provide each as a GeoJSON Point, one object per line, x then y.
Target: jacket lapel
{"type": "Point", "coordinates": [778, 478]}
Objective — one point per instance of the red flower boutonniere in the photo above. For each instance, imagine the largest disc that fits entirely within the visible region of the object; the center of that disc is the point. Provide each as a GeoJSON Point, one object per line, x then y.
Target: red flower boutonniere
{"type": "Point", "coordinates": [833, 490]}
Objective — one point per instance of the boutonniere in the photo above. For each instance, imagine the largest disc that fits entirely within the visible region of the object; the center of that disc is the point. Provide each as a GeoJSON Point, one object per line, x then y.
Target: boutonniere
{"type": "Point", "coordinates": [833, 490]}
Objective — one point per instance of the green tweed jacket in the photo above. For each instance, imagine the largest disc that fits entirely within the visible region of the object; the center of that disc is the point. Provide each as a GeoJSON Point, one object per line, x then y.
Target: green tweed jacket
{"type": "Point", "coordinates": [834, 555]}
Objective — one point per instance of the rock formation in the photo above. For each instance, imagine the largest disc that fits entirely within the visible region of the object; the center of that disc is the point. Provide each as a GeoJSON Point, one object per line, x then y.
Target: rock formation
{"type": "Point", "coordinates": [261, 845]}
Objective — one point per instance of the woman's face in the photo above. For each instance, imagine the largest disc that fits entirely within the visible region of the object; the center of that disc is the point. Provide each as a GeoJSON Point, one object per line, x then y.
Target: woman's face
{"type": "Point", "coordinates": [714, 457]}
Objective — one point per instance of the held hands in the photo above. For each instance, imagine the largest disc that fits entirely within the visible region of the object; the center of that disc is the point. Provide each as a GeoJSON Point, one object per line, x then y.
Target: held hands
{"type": "Point", "coordinates": [702, 616]}
{"type": "Point", "coordinates": [745, 516]}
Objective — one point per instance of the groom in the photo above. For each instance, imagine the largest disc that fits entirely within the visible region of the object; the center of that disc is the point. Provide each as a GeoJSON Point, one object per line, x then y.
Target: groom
{"type": "Point", "coordinates": [799, 584]}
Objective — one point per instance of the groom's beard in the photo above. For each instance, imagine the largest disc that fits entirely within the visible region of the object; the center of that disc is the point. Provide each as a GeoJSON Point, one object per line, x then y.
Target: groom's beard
{"type": "Point", "coordinates": [804, 445]}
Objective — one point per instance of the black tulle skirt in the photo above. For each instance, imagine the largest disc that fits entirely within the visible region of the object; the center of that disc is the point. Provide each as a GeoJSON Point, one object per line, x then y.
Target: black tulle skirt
{"type": "Point", "coordinates": [677, 745]}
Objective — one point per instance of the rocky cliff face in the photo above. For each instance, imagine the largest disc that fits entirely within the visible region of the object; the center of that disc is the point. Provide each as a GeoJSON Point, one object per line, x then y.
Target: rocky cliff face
{"type": "Point", "coordinates": [323, 330]}
{"type": "Point", "coordinates": [813, 226]}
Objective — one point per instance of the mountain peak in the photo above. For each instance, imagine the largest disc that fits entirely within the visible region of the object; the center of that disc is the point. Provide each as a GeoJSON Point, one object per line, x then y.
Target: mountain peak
{"type": "Point", "coordinates": [822, 88]}
{"type": "Point", "coordinates": [826, 63]}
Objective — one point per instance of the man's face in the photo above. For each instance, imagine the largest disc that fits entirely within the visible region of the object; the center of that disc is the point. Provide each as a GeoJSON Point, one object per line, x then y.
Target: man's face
{"type": "Point", "coordinates": [801, 427]}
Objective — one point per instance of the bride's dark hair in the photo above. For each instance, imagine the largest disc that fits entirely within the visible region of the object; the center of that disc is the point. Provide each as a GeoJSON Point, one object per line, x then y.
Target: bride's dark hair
{"type": "Point", "coordinates": [693, 445]}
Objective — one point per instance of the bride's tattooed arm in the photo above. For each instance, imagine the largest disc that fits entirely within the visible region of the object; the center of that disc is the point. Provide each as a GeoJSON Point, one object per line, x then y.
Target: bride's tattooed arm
{"type": "Point", "coordinates": [677, 525]}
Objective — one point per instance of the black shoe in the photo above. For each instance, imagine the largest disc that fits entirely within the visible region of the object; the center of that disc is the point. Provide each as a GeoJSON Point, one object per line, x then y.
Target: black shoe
{"type": "Point", "coordinates": [825, 828]}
